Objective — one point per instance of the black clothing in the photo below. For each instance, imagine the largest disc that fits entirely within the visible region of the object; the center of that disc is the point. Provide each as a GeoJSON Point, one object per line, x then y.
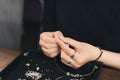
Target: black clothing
{"type": "Point", "coordinates": [96, 22]}
{"type": "Point", "coordinates": [31, 24]}
{"type": "Point", "coordinates": [33, 65]}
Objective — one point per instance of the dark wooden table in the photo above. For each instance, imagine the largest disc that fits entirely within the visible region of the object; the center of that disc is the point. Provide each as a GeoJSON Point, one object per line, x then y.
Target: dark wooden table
{"type": "Point", "coordinates": [7, 56]}
{"type": "Point", "coordinates": [109, 74]}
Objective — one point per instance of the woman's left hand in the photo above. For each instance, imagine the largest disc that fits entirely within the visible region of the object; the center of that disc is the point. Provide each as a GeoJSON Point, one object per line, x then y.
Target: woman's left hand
{"type": "Point", "coordinates": [80, 54]}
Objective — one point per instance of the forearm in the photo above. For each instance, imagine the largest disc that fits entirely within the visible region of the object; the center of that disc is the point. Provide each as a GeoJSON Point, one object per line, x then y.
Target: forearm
{"type": "Point", "coordinates": [111, 59]}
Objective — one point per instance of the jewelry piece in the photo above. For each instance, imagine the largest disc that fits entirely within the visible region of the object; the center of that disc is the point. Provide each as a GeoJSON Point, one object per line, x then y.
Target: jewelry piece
{"type": "Point", "coordinates": [59, 78]}
{"type": "Point", "coordinates": [101, 52]}
{"type": "Point", "coordinates": [26, 53]}
{"type": "Point", "coordinates": [33, 74]}
{"type": "Point", "coordinates": [70, 61]}
{"type": "Point", "coordinates": [21, 79]}
{"type": "Point", "coordinates": [76, 75]}
{"type": "Point", "coordinates": [72, 56]}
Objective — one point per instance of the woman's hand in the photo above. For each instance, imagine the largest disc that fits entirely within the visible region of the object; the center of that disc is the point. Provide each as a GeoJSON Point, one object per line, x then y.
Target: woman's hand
{"type": "Point", "coordinates": [75, 53]}
{"type": "Point", "coordinates": [80, 54]}
{"type": "Point", "coordinates": [48, 43]}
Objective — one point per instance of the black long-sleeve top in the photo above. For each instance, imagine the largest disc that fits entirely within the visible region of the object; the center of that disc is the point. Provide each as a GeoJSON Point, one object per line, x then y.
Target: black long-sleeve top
{"type": "Point", "coordinates": [96, 22]}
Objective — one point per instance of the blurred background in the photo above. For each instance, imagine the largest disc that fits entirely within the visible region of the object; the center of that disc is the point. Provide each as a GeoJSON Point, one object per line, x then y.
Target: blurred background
{"type": "Point", "coordinates": [20, 24]}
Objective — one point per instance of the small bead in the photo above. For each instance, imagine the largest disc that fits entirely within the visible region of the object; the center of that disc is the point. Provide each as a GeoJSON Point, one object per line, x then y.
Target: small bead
{"type": "Point", "coordinates": [81, 75]}
{"type": "Point", "coordinates": [27, 64]}
{"type": "Point", "coordinates": [68, 73]}
{"type": "Point", "coordinates": [26, 53]}
{"type": "Point", "coordinates": [37, 68]}
{"type": "Point", "coordinates": [19, 79]}
{"type": "Point", "coordinates": [95, 67]}
{"type": "Point", "coordinates": [77, 75]}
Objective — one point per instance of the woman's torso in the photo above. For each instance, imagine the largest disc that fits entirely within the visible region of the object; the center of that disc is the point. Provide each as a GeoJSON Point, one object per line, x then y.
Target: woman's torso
{"type": "Point", "coordinates": [95, 22]}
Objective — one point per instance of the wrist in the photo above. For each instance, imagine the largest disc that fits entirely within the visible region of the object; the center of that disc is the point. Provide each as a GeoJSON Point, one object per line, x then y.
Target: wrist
{"type": "Point", "coordinates": [97, 54]}
{"type": "Point", "coordinates": [100, 54]}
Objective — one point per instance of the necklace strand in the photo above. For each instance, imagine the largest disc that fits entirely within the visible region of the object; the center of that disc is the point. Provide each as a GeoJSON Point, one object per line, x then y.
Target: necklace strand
{"type": "Point", "coordinates": [77, 75]}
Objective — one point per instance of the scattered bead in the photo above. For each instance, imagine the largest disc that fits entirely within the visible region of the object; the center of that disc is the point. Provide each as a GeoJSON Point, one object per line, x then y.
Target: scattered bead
{"type": "Point", "coordinates": [26, 53]}
{"type": "Point", "coordinates": [28, 64]}
{"type": "Point", "coordinates": [37, 68]}
{"type": "Point", "coordinates": [19, 79]}
{"type": "Point", "coordinates": [33, 74]}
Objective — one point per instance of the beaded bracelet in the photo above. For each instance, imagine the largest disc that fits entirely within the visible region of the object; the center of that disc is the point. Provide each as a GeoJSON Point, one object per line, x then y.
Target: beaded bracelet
{"type": "Point", "coordinates": [101, 52]}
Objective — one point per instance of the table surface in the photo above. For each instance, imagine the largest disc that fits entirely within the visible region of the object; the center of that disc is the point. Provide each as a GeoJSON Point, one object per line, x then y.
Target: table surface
{"type": "Point", "coordinates": [7, 56]}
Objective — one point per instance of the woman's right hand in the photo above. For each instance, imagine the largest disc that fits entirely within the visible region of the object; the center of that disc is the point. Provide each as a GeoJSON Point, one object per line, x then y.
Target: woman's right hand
{"type": "Point", "coordinates": [48, 43]}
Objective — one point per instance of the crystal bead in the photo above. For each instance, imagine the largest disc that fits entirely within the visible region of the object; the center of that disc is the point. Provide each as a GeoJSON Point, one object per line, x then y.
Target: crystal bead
{"type": "Point", "coordinates": [37, 68]}
{"type": "Point", "coordinates": [95, 67]}
{"type": "Point", "coordinates": [19, 79]}
{"type": "Point", "coordinates": [68, 73]}
{"type": "Point", "coordinates": [27, 64]}
{"type": "Point", "coordinates": [26, 53]}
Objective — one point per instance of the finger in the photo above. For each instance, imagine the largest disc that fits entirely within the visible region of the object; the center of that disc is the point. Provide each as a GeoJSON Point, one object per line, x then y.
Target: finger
{"type": "Point", "coordinates": [50, 52]}
{"type": "Point", "coordinates": [48, 45]}
{"type": "Point", "coordinates": [80, 59]}
{"type": "Point", "coordinates": [47, 37]}
{"type": "Point", "coordinates": [59, 33]}
{"type": "Point", "coordinates": [73, 64]}
{"type": "Point", "coordinates": [64, 47]}
{"type": "Point", "coordinates": [63, 39]}
{"type": "Point", "coordinates": [65, 59]}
